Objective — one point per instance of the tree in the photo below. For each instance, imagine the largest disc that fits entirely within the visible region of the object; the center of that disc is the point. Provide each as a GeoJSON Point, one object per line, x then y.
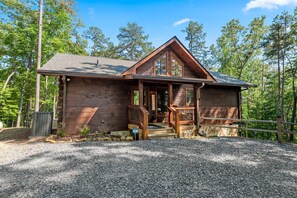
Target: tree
{"type": "Point", "coordinates": [133, 44]}
{"type": "Point", "coordinates": [98, 39]}
{"type": "Point", "coordinates": [196, 38]}
{"type": "Point", "coordinates": [18, 47]}
{"type": "Point", "coordinates": [277, 45]}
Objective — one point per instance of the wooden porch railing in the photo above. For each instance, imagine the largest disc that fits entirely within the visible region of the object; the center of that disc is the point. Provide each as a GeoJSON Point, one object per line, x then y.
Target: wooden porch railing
{"type": "Point", "coordinates": [244, 125]}
{"type": "Point", "coordinates": [139, 116]}
{"type": "Point", "coordinates": [180, 115]}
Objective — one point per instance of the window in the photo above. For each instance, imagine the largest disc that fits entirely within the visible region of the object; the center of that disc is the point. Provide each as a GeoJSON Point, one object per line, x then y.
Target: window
{"type": "Point", "coordinates": [162, 100]}
{"type": "Point", "coordinates": [189, 97]}
{"type": "Point", "coordinates": [177, 69]}
{"type": "Point", "coordinates": [160, 66]}
{"type": "Point", "coordinates": [135, 97]}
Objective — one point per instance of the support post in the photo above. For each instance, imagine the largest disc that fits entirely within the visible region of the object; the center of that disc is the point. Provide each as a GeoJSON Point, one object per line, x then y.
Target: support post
{"type": "Point", "coordinates": [197, 107]}
{"type": "Point", "coordinates": [279, 129]}
{"type": "Point", "coordinates": [140, 89]}
{"type": "Point", "coordinates": [170, 101]}
{"type": "Point", "coordinates": [177, 126]}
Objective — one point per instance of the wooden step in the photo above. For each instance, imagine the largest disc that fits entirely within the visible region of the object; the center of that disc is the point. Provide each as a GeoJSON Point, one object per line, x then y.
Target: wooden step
{"type": "Point", "coordinates": [161, 136]}
{"type": "Point", "coordinates": [161, 130]}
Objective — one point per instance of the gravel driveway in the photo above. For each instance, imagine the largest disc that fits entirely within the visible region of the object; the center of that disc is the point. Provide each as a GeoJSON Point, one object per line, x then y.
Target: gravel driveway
{"type": "Point", "coordinates": [218, 167]}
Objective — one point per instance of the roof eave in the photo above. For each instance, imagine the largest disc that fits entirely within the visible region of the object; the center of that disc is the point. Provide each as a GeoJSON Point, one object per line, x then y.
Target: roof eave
{"type": "Point", "coordinates": [79, 74]}
{"type": "Point", "coordinates": [232, 84]}
{"type": "Point", "coordinates": [166, 79]}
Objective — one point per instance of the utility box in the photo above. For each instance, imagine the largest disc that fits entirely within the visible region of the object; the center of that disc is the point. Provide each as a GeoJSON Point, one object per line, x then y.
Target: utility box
{"type": "Point", "coordinates": [42, 123]}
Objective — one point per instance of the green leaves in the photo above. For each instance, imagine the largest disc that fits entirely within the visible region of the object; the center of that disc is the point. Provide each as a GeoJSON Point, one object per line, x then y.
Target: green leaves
{"type": "Point", "coordinates": [133, 44]}
{"type": "Point", "coordinates": [196, 38]}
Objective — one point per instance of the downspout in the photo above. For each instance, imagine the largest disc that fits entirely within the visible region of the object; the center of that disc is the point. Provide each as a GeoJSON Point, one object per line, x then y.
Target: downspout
{"type": "Point", "coordinates": [240, 102]}
{"type": "Point", "coordinates": [64, 99]}
{"type": "Point", "coordinates": [198, 107]}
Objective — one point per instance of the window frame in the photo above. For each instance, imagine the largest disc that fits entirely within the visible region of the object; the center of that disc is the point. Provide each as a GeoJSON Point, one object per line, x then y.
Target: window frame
{"type": "Point", "coordinates": [166, 63]}
{"type": "Point", "coordinates": [174, 57]}
{"type": "Point", "coordinates": [186, 97]}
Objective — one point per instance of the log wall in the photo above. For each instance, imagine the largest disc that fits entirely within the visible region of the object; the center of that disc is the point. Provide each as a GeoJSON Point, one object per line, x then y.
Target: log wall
{"type": "Point", "coordinates": [101, 104]}
{"type": "Point", "coordinates": [220, 102]}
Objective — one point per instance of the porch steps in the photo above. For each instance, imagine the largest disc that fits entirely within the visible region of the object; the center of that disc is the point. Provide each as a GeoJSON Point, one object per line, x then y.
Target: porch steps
{"type": "Point", "coordinates": [162, 133]}
{"type": "Point", "coordinates": [161, 136]}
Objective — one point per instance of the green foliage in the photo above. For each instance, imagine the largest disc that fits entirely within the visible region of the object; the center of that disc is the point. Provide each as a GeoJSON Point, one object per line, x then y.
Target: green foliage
{"type": "Point", "coordinates": [100, 42]}
{"type": "Point", "coordinates": [18, 52]}
{"type": "Point", "coordinates": [85, 131]}
{"type": "Point", "coordinates": [196, 38]}
{"type": "Point", "coordinates": [133, 44]}
{"type": "Point", "coordinates": [62, 130]}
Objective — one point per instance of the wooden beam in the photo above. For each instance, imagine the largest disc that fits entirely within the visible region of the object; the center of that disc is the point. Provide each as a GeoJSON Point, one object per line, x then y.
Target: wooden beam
{"type": "Point", "coordinates": [170, 101]}
{"type": "Point", "coordinates": [197, 107]}
{"type": "Point", "coordinates": [239, 105]}
{"type": "Point", "coordinates": [177, 124]}
{"type": "Point", "coordinates": [170, 94]}
{"type": "Point", "coordinates": [140, 89]}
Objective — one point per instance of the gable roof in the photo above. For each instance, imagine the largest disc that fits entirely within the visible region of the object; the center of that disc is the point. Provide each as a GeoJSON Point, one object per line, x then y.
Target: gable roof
{"type": "Point", "coordinates": [86, 66]}
{"type": "Point", "coordinates": [175, 43]}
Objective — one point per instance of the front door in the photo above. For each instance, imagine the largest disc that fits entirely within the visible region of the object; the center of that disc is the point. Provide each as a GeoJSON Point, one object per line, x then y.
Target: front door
{"type": "Point", "coordinates": [158, 106]}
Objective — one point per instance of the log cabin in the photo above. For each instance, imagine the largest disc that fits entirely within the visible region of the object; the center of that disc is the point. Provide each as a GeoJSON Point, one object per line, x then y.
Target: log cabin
{"type": "Point", "coordinates": [166, 93]}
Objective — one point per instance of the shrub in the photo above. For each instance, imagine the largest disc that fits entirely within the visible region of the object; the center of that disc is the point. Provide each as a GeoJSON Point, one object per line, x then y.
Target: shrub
{"type": "Point", "coordinates": [62, 132]}
{"type": "Point", "coordinates": [85, 131]}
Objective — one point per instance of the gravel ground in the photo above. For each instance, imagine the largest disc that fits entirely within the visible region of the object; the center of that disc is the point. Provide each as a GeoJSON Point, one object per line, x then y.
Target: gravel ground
{"type": "Point", "coordinates": [218, 167]}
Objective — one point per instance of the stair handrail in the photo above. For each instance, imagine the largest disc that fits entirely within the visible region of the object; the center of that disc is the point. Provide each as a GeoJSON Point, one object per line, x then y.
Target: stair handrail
{"type": "Point", "coordinates": [174, 111]}
{"type": "Point", "coordinates": [144, 122]}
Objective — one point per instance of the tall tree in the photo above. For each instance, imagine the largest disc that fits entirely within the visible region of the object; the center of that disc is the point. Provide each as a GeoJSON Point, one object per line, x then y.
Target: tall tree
{"type": "Point", "coordinates": [196, 38]}
{"type": "Point", "coordinates": [133, 44]}
{"type": "Point", "coordinates": [18, 51]}
{"type": "Point", "coordinates": [99, 41]}
{"type": "Point", "coordinates": [37, 91]}
{"type": "Point", "coordinates": [277, 44]}
{"type": "Point", "coordinates": [238, 45]}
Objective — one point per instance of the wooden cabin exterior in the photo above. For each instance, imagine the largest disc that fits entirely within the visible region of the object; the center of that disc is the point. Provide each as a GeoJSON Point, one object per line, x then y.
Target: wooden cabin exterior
{"type": "Point", "coordinates": [168, 86]}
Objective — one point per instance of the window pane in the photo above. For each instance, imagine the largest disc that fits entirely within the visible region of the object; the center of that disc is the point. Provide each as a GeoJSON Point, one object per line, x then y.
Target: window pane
{"type": "Point", "coordinates": [160, 66]}
{"type": "Point", "coordinates": [135, 97]}
{"type": "Point", "coordinates": [189, 97]}
{"type": "Point", "coordinates": [162, 100]}
{"type": "Point", "coordinates": [177, 69]}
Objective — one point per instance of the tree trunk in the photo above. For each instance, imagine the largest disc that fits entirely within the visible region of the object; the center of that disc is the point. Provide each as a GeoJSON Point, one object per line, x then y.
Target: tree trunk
{"type": "Point", "coordinates": [26, 116]}
{"type": "Point", "coordinates": [54, 107]}
{"type": "Point", "coordinates": [21, 104]}
{"type": "Point", "coordinates": [278, 74]}
{"type": "Point", "coordinates": [38, 57]}
{"type": "Point", "coordinates": [6, 82]}
{"type": "Point", "coordinates": [291, 136]}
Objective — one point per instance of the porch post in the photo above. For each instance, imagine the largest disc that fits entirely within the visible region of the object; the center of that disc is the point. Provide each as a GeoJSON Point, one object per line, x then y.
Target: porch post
{"type": "Point", "coordinates": [196, 89]}
{"type": "Point", "coordinates": [170, 101]}
{"type": "Point", "coordinates": [140, 89]}
{"type": "Point", "coordinates": [140, 99]}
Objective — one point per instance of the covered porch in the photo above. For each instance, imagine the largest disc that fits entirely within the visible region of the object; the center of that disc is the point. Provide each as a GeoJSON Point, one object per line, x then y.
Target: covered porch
{"type": "Point", "coordinates": [163, 105]}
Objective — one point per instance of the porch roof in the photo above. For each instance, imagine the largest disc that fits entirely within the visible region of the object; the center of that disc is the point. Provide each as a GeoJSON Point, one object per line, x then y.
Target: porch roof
{"type": "Point", "coordinates": [166, 79]}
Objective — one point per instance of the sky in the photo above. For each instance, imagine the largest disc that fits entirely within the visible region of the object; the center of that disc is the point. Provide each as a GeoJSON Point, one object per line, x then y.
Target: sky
{"type": "Point", "coordinates": [163, 19]}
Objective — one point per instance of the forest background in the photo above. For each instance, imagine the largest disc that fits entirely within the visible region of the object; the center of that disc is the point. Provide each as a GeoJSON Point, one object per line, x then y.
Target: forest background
{"type": "Point", "coordinates": [265, 55]}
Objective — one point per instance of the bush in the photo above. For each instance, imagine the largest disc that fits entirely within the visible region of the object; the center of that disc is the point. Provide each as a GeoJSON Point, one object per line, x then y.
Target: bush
{"type": "Point", "coordinates": [85, 131]}
{"type": "Point", "coordinates": [62, 132]}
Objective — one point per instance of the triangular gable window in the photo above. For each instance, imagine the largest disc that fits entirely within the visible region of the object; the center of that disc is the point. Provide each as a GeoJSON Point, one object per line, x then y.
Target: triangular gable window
{"type": "Point", "coordinates": [160, 66]}
{"type": "Point", "coordinates": [177, 66]}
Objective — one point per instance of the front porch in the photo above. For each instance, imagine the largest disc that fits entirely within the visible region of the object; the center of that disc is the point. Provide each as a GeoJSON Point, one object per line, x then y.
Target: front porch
{"type": "Point", "coordinates": [161, 108]}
